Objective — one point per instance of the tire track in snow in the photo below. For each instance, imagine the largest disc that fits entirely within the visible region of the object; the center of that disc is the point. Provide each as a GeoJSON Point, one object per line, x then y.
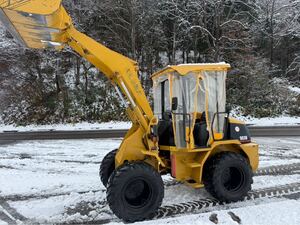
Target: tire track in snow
{"type": "Point", "coordinates": [271, 170]}
{"type": "Point", "coordinates": [203, 205]}
{"type": "Point", "coordinates": [4, 217]}
{"type": "Point", "coordinates": [195, 206]}
{"type": "Point", "coordinates": [17, 197]}
{"type": "Point", "coordinates": [278, 170]}
{"type": "Point", "coordinates": [10, 214]}
{"type": "Point", "coordinates": [180, 208]}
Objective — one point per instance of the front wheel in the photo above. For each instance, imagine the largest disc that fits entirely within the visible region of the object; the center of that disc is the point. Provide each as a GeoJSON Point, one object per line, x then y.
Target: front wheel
{"type": "Point", "coordinates": [228, 177]}
{"type": "Point", "coordinates": [135, 191]}
{"type": "Point", "coordinates": [107, 166]}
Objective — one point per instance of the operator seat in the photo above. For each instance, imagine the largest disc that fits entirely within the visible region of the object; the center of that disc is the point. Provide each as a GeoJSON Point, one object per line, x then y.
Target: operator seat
{"type": "Point", "coordinates": [200, 133]}
{"type": "Point", "coordinates": [165, 130]}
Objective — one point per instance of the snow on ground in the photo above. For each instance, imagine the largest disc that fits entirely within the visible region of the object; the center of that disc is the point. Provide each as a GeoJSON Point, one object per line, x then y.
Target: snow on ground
{"type": "Point", "coordinates": [276, 121]}
{"type": "Point", "coordinates": [52, 166]}
{"type": "Point", "coordinates": [274, 213]}
{"type": "Point", "coordinates": [75, 126]}
{"type": "Point", "coordinates": [57, 181]}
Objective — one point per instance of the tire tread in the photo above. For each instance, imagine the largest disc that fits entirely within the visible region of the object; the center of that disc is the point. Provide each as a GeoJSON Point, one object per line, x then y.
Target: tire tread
{"type": "Point", "coordinates": [213, 171]}
{"type": "Point", "coordinates": [115, 181]}
{"type": "Point", "coordinates": [105, 167]}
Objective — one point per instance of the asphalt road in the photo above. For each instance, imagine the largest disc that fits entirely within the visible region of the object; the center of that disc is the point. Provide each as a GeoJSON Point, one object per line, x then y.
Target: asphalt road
{"type": "Point", "coordinates": [283, 131]}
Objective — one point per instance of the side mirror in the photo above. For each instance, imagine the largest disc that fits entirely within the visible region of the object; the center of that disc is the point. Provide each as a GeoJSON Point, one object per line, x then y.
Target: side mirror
{"type": "Point", "coordinates": [174, 103]}
{"type": "Point", "coordinates": [228, 109]}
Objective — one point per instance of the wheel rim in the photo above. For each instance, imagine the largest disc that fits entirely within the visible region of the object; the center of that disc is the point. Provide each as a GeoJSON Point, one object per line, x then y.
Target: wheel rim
{"type": "Point", "coordinates": [137, 193]}
{"type": "Point", "coordinates": [233, 179]}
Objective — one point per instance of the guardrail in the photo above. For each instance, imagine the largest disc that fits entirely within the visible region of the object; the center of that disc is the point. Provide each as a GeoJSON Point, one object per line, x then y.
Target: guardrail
{"type": "Point", "coordinates": [255, 131]}
{"type": "Point", "coordinates": [274, 131]}
{"type": "Point", "coordinates": [60, 134]}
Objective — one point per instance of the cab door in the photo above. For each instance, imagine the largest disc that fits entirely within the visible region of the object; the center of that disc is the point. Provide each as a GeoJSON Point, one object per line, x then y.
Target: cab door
{"type": "Point", "coordinates": [215, 103]}
{"type": "Point", "coordinates": [162, 109]}
{"type": "Point", "coordinates": [200, 133]}
{"type": "Point", "coordinates": [184, 94]}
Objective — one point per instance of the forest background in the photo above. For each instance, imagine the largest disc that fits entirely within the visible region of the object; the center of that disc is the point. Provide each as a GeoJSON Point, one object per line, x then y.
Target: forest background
{"type": "Point", "coordinates": [260, 39]}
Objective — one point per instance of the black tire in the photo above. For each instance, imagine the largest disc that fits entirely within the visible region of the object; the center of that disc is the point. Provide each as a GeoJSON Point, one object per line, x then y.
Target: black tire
{"type": "Point", "coordinates": [228, 177]}
{"type": "Point", "coordinates": [135, 191]}
{"type": "Point", "coordinates": [107, 166]}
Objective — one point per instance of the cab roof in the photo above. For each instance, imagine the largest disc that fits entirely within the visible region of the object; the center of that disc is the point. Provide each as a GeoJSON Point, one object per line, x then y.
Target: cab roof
{"type": "Point", "coordinates": [184, 69]}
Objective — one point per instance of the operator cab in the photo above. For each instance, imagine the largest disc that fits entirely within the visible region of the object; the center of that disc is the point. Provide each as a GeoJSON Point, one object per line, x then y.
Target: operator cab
{"type": "Point", "coordinates": [189, 101]}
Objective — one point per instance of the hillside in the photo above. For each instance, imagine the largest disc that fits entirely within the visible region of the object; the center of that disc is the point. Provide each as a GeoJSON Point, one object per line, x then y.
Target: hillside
{"type": "Point", "coordinates": [260, 39]}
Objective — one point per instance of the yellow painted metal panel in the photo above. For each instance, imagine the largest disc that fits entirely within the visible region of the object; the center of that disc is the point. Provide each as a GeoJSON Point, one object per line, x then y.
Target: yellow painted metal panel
{"type": "Point", "coordinates": [36, 24]}
{"type": "Point", "coordinates": [184, 69]}
{"type": "Point", "coordinates": [42, 7]}
{"type": "Point", "coordinates": [235, 121]}
{"type": "Point", "coordinates": [251, 150]}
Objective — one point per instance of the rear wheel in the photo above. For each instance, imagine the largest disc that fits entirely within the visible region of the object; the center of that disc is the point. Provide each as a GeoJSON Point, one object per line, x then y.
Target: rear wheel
{"type": "Point", "coordinates": [135, 191]}
{"type": "Point", "coordinates": [107, 166]}
{"type": "Point", "coordinates": [228, 177]}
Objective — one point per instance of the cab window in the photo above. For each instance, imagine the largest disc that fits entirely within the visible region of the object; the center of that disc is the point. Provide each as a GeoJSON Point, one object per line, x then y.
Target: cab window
{"type": "Point", "coordinates": [165, 97]}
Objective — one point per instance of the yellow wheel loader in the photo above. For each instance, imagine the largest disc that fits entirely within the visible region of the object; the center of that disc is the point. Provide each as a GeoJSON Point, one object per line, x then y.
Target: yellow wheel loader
{"type": "Point", "coordinates": [188, 135]}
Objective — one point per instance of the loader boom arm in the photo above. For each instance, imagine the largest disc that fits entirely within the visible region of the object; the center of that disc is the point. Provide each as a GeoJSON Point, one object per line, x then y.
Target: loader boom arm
{"type": "Point", "coordinates": [122, 71]}
{"type": "Point", "coordinates": [45, 23]}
